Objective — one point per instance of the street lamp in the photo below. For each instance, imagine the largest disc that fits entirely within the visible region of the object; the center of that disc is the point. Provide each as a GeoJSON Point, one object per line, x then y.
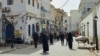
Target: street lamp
{"type": "Point", "coordinates": [88, 29]}
{"type": "Point", "coordinates": [95, 33]}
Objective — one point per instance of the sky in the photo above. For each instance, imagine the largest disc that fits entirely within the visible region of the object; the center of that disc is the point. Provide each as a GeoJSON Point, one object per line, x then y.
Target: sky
{"type": "Point", "coordinates": [71, 5]}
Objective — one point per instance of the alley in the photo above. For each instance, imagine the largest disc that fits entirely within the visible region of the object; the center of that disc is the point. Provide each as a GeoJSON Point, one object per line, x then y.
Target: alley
{"type": "Point", "coordinates": [25, 23]}
{"type": "Point", "coordinates": [55, 50]}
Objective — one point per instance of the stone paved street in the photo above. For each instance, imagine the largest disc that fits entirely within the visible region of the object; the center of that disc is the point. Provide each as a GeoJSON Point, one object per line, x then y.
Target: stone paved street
{"type": "Point", "coordinates": [24, 24]}
{"type": "Point", "coordinates": [58, 50]}
{"type": "Point", "coordinates": [55, 50]}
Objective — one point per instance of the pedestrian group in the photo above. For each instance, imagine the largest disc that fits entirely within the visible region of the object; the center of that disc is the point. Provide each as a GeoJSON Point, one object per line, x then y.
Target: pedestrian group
{"type": "Point", "coordinates": [44, 38]}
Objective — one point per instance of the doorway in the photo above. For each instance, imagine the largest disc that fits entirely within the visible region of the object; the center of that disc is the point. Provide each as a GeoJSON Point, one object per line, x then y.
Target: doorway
{"type": "Point", "coordinates": [33, 29]}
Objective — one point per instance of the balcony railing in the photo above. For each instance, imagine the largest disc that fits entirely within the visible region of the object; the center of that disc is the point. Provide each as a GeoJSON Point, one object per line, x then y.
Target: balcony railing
{"type": "Point", "coordinates": [46, 15]}
{"type": "Point", "coordinates": [6, 9]}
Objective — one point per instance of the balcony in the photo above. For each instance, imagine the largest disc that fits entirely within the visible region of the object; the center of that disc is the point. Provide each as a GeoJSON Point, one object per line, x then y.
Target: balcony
{"type": "Point", "coordinates": [6, 10]}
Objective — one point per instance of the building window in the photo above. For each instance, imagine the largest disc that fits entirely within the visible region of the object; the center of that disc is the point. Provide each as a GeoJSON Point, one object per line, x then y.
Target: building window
{"type": "Point", "coordinates": [20, 28]}
{"type": "Point", "coordinates": [61, 18]}
{"type": "Point", "coordinates": [33, 2]}
{"type": "Point", "coordinates": [0, 4]}
{"type": "Point", "coordinates": [47, 22]}
{"type": "Point", "coordinates": [66, 29]}
{"type": "Point", "coordinates": [30, 18]}
{"type": "Point", "coordinates": [29, 30]}
{"type": "Point", "coordinates": [88, 9]}
{"type": "Point", "coordinates": [38, 5]}
{"type": "Point", "coordinates": [33, 28]}
{"type": "Point", "coordinates": [43, 21]}
{"type": "Point", "coordinates": [9, 2]}
{"type": "Point", "coordinates": [65, 21]}
{"type": "Point", "coordinates": [41, 8]}
{"type": "Point", "coordinates": [37, 27]}
{"type": "Point", "coordinates": [29, 1]}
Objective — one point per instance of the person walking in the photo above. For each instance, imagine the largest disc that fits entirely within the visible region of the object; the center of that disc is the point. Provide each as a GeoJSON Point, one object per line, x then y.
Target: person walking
{"type": "Point", "coordinates": [10, 34]}
{"type": "Point", "coordinates": [66, 36]}
{"type": "Point", "coordinates": [61, 35]}
{"type": "Point", "coordinates": [70, 40]}
{"type": "Point", "coordinates": [35, 39]}
{"type": "Point", "coordinates": [58, 36]}
{"type": "Point", "coordinates": [51, 38]}
{"type": "Point", "coordinates": [55, 35]}
{"type": "Point", "coordinates": [44, 42]}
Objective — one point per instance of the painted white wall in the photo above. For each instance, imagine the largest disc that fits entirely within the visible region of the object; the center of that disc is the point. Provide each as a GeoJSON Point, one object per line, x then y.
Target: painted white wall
{"type": "Point", "coordinates": [30, 22]}
{"type": "Point", "coordinates": [46, 4]}
{"type": "Point", "coordinates": [17, 6]}
{"type": "Point", "coordinates": [85, 4]}
{"type": "Point", "coordinates": [68, 24]}
{"type": "Point", "coordinates": [75, 15]}
{"type": "Point", "coordinates": [98, 22]}
{"type": "Point", "coordinates": [21, 9]}
{"type": "Point", "coordinates": [65, 23]}
{"type": "Point", "coordinates": [33, 9]}
{"type": "Point", "coordinates": [88, 18]}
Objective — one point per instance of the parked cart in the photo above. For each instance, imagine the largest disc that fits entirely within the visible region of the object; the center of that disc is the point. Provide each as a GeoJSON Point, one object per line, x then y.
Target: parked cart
{"type": "Point", "coordinates": [82, 39]}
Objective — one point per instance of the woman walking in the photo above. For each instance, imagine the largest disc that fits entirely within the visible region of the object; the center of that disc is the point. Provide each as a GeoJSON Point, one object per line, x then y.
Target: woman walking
{"type": "Point", "coordinates": [44, 42]}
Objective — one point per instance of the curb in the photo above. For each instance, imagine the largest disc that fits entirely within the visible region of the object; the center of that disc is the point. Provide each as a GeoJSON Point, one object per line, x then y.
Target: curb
{"type": "Point", "coordinates": [7, 51]}
{"type": "Point", "coordinates": [97, 54]}
{"type": "Point", "coordinates": [12, 49]}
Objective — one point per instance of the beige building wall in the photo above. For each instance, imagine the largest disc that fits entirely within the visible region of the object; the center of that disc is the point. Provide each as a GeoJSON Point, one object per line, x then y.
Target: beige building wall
{"type": "Point", "coordinates": [58, 15]}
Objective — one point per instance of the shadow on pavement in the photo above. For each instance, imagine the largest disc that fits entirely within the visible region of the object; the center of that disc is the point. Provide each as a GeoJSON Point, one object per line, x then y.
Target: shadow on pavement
{"type": "Point", "coordinates": [44, 53]}
{"type": "Point", "coordinates": [73, 49]}
{"type": "Point", "coordinates": [27, 50]}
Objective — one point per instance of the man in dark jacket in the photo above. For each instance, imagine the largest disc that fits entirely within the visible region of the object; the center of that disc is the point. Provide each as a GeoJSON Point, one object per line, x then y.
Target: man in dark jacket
{"type": "Point", "coordinates": [35, 39]}
{"type": "Point", "coordinates": [44, 42]}
{"type": "Point", "coordinates": [51, 38]}
{"type": "Point", "coordinates": [66, 36]}
{"type": "Point", "coordinates": [70, 40]}
{"type": "Point", "coordinates": [61, 35]}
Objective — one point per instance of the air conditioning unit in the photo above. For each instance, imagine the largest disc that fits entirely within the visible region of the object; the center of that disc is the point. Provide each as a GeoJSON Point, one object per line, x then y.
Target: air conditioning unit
{"type": "Point", "coordinates": [6, 9]}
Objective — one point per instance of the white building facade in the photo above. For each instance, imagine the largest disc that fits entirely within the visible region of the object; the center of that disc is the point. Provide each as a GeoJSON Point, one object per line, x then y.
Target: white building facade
{"type": "Point", "coordinates": [65, 17]}
{"type": "Point", "coordinates": [26, 16]}
{"type": "Point", "coordinates": [75, 15]}
{"type": "Point", "coordinates": [89, 25]}
{"type": "Point", "coordinates": [86, 5]}
{"type": "Point", "coordinates": [68, 24]}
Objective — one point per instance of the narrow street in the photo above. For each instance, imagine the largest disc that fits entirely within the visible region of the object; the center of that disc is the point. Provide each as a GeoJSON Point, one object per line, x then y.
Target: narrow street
{"type": "Point", "coordinates": [54, 50]}
{"type": "Point", "coordinates": [24, 23]}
